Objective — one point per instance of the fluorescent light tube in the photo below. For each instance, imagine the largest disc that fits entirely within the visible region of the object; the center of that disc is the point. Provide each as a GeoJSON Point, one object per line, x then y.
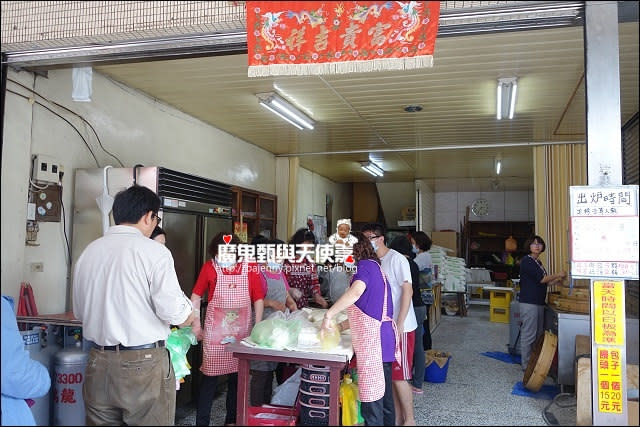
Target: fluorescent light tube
{"type": "Point", "coordinates": [498, 166]}
{"type": "Point", "coordinates": [370, 171]}
{"type": "Point", "coordinates": [278, 105]}
{"type": "Point", "coordinates": [372, 168]}
{"type": "Point", "coordinates": [506, 97]}
{"type": "Point", "coordinates": [499, 101]}
{"type": "Point", "coordinates": [265, 105]}
{"type": "Point", "coordinates": [287, 110]}
{"type": "Point", "coordinates": [512, 103]}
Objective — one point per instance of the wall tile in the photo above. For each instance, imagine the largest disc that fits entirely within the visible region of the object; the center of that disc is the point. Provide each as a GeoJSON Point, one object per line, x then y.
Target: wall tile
{"type": "Point", "coordinates": [446, 202]}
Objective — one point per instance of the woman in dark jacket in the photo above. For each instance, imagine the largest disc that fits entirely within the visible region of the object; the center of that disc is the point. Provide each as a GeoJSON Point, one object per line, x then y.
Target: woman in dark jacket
{"type": "Point", "coordinates": [533, 293]}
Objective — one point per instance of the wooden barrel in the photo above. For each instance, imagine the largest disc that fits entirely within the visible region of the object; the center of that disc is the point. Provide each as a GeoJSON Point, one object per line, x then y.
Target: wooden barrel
{"type": "Point", "coordinates": [540, 360]}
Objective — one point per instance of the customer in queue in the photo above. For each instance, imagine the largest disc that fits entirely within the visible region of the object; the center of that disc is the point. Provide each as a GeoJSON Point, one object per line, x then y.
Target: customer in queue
{"type": "Point", "coordinates": [159, 235]}
{"type": "Point", "coordinates": [403, 246]}
{"type": "Point", "coordinates": [398, 273]}
{"type": "Point", "coordinates": [126, 294]}
{"type": "Point", "coordinates": [533, 294]}
{"type": "Point", "coordinates": [233, 286]}
{"type": "Point", "coordinates": [277, 298]}
{"type": "Point", "coordinates": [421, 246]}
{"type": "Point", "coordinates": [302, 275]}
{"type": "Point", "coordinates": [369, 308]}
{"type": "Point", "coordinates": [23, 378]}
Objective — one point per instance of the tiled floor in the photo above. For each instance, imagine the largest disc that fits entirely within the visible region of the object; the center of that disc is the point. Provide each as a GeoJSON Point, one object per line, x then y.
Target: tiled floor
{"type": "Point", "coordinates": [478, 388]}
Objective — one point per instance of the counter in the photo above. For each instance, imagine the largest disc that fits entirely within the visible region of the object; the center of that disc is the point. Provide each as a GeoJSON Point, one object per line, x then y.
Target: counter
{"type": "Point", "coordinates": [62, 319]}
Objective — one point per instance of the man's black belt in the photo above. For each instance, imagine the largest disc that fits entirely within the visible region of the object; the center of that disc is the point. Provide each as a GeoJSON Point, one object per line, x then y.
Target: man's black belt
{"type": "Point", "coordinates": [120, 347]}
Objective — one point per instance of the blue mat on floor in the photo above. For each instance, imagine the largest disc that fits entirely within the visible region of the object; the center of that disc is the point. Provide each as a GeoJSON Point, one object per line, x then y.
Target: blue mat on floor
{"type": "Point", "coordinates": [503, 357]}
{"type": "Point", "coordinates": [546, 391]}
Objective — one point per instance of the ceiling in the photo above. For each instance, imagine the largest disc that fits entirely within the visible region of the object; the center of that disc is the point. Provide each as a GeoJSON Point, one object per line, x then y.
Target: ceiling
{"type": "Point", "coordinates": [361, 116]}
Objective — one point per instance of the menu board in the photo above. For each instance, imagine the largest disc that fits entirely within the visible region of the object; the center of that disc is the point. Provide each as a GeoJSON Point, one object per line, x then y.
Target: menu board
{"type": "Point", "coordinates": [604, 231]}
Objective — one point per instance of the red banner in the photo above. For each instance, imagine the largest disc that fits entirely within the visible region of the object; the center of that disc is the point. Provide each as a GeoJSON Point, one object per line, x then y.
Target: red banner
{"type": "Point", "coordinates": [313, 37]}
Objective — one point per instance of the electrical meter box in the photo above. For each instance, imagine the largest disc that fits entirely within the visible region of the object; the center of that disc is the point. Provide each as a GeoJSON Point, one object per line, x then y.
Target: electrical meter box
{"type": "Point", "coordinates": [48, 203]}
{"type": "Point", "coordinates": [46, 169]}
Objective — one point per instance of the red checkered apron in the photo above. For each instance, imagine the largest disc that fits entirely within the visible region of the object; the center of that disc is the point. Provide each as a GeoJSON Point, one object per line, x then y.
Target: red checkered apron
{"type": "Point", "coordinates": [228, 320]}
{"type": "Point", "coordinates": [365, 337]}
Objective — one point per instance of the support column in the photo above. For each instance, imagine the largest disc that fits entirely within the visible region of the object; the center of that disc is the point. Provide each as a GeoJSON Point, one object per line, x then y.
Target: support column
{"type": "Point", "coordinates": [602, 87]}
{"type": "Point", "coordinates": [604, 167]}
{"type": "Point", "coordinates": [294, 166]}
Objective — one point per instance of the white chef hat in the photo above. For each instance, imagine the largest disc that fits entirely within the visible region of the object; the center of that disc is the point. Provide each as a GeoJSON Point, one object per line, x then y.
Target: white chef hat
{"type": "Point", "coordinates": [344, 221]}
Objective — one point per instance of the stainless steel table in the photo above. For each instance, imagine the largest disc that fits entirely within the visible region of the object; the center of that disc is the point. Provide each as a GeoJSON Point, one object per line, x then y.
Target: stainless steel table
{"type": "Point", "coordinates": [567, 326]}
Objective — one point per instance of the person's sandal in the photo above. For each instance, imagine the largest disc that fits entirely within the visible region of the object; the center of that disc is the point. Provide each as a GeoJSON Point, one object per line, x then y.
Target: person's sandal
{"type": "Point", "coordinates": [416, 390]}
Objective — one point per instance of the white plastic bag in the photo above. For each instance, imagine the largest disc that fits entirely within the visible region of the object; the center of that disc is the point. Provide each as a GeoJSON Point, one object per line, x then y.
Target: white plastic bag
{"type": "Point", "coordinates": [286, 393]}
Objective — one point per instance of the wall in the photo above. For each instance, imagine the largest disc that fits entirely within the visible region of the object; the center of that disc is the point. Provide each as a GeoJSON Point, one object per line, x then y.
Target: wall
{"type": "Point", "coordinates": [311, 198]}
{"type": "Point", "coordinates": [503, 206]}
{"type": "Point", "coordinates": [393, 197]}
{"type": "Point", "coordinates": [133, 126]}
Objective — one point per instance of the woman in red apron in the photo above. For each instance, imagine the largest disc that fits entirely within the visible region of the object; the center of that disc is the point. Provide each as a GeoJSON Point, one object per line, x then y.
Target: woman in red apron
{"type": "Point", "coordinates": [232, 288]}
{"type": "Point", "coordinates": [373, 333]}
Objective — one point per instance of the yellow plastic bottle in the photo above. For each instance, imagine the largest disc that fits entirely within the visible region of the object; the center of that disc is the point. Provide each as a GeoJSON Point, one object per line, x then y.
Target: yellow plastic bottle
{"type": "Point", "coordinates": [349, 401]}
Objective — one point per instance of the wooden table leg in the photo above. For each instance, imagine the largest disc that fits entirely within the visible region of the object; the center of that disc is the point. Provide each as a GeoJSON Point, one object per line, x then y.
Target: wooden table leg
{"type": "Point", "coordinates": [462, 305]}
{"type": "Point", "coordinates": [242, 417]}
{"type": "Point", "coordinates": [334, 396]}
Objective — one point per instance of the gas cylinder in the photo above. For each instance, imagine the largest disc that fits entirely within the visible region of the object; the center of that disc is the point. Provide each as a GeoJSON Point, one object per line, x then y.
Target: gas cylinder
{"type": "Point", "coordinates": [33, 341]}
{"type": "Point", "coordinates": [68, 404]}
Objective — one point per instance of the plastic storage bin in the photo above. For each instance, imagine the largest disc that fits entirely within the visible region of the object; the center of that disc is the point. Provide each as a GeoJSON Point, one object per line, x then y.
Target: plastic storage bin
{"type": "Point", "coordinates": [269, 415]}
{"type": "Point", "coordinates": [499, 315]}
{"type": "Point", "coordinates": [500, 298]}
{"type": "Point", "coordinates": [313, 415]}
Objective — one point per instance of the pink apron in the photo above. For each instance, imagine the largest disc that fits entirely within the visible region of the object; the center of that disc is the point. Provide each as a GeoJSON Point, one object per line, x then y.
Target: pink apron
{"type": "Point", "coordinates": [227, 321]}
{"type": "Point", "coordinates": [365, 336]}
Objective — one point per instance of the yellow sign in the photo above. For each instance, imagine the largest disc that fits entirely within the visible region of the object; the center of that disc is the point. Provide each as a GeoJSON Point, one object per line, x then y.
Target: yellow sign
{"type": "Point", "coordinates": [608, 312]}
{"type": "Point", "coordinates": [609, 380]}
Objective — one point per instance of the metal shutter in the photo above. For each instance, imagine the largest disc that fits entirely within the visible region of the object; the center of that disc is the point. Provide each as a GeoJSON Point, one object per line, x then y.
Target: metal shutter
{"type": "Point", "coordinates": [630, 151]}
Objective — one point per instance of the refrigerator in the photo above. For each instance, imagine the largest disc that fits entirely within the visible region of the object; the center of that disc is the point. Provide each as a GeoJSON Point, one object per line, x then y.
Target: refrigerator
{"type": "Point", "coordinates": [193, 210]}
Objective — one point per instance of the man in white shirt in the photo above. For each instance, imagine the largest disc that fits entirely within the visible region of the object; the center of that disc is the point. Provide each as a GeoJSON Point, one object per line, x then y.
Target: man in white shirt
{"type": "Point", "coordinates": [126, 293]}
{"type": "Point", "coordinates": [396, 268]}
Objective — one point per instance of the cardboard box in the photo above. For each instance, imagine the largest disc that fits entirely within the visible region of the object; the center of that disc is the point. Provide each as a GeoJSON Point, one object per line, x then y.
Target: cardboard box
{"type": "Point", "coordinates": [408, 213]}
{"type": "Point", "coordinates": [446, 239]}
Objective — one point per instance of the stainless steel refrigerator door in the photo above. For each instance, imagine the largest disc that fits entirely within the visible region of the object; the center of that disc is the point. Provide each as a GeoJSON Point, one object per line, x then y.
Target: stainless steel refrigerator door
{"type": "Point", "coordinates": [213, 226]}
{"type": "Point", "coordinates": [181, 235]}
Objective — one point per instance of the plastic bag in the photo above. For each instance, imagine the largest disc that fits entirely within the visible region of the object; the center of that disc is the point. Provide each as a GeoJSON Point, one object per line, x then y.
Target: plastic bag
{"type": "Point", "coordinates": [330, 338]}
{"type": "Point", "coordinates": [285, 394]}
{"type": "Point", "coordinates": [178, 344]}
{"type": "Point", "coordinates": [349, 401]}
{"type": "Point", "coordinates": [277, 331]}
{"type": "Point", "coordinates": [425, 286]}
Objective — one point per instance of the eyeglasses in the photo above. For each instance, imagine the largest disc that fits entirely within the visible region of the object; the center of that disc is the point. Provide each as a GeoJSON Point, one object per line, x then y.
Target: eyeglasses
{"type": "Point", "coordinates": [155, 215]}
{"type": "Point", "coordinates": [373, 237]}
{"type": "Point", "coordinates": [536, 244]}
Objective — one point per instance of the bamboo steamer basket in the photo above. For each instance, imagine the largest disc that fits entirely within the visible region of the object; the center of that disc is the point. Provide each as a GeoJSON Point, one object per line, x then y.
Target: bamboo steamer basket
{"type": "Point", "coordinates": [540, 361]}
{"type": "Point", "coordinates": [577, 293]}
{"type": "Point", "coordinates": [570, 304]}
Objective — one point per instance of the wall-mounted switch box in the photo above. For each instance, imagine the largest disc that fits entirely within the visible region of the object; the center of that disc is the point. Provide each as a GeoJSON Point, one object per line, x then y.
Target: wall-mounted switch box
{"type": "Point", "coordinates": [48, 204]}
{"type": "Point", "coordinates": [45, 169]}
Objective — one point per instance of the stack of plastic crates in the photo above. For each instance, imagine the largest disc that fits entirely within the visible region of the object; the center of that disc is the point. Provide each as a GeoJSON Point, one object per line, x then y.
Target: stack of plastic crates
{"type": "Point", "coordinates": [314, 395]}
